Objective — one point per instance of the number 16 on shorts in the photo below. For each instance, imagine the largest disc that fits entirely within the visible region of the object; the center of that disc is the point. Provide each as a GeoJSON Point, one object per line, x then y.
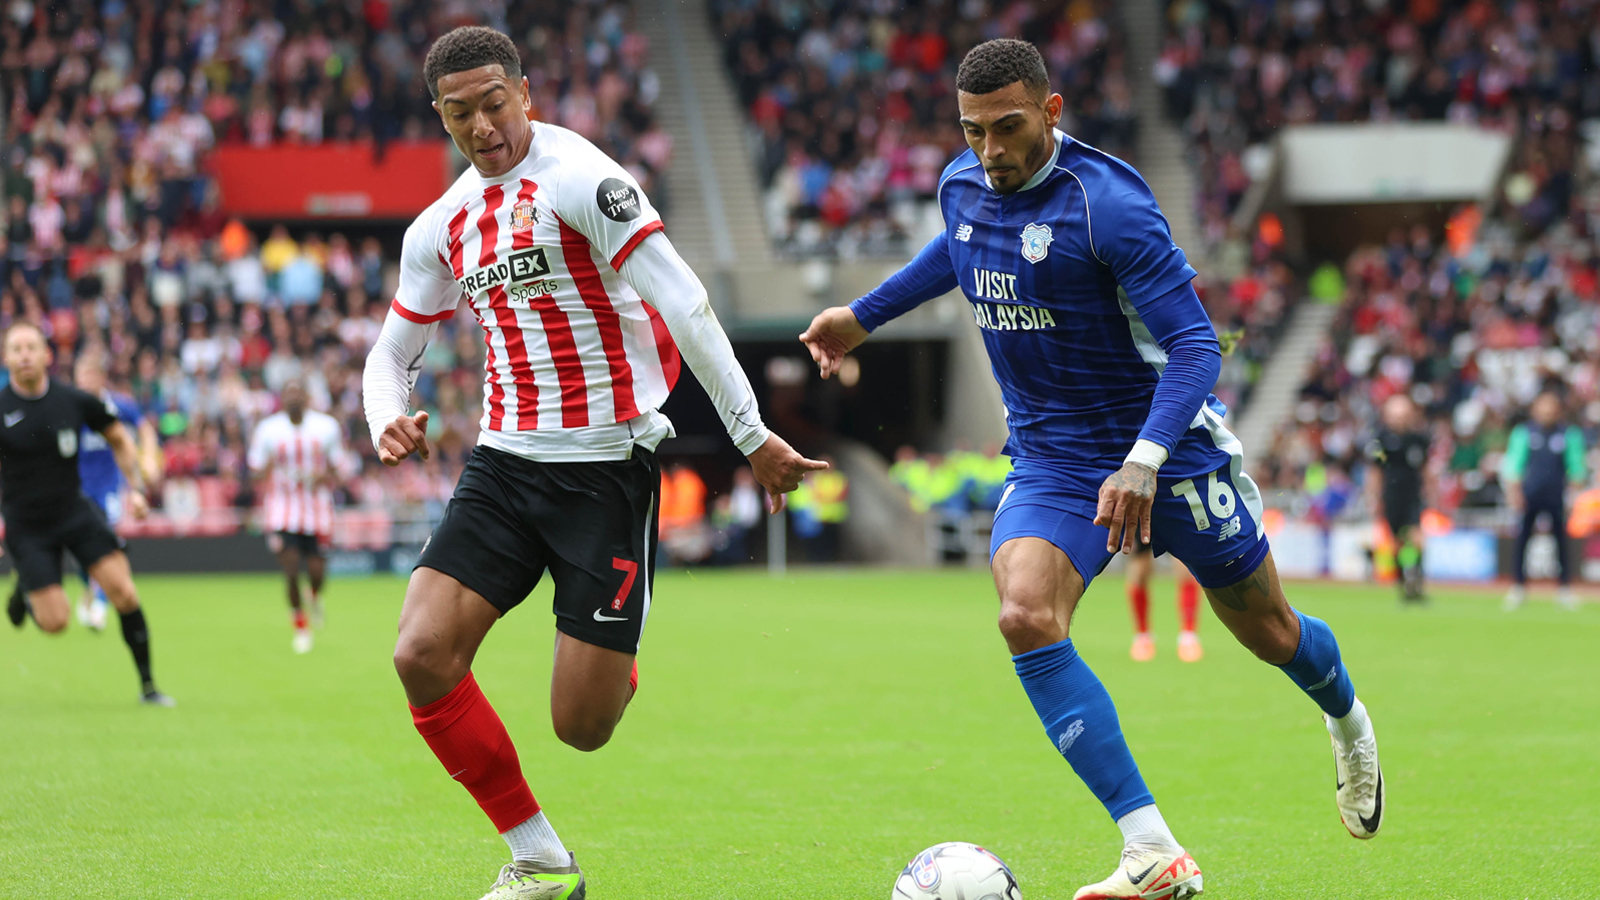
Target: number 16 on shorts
{"type": "Point", "coordinates": [1221, 500]}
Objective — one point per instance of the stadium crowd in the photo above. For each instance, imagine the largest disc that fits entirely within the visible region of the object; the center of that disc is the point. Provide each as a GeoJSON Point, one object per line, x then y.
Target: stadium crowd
{"type": "Point", "coordinates": [1472, 326]}
{"type": "Point", "coordinates": [1237, 72]}
{"type": "Point", "coordinates": [112, 235]}
{"type": "Point", "coordinates": [852, 102]}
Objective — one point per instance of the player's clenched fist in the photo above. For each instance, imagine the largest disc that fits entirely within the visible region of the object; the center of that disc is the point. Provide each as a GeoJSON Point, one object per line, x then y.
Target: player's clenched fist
{"type": "Point", "coordinates": [402, 437]}
{"type": "Point", "coordinates": [780, 469]}
{"type": "Point", "coordinates": [1125, 501]}
{"type": "Point", "coordinates": [833, 333]}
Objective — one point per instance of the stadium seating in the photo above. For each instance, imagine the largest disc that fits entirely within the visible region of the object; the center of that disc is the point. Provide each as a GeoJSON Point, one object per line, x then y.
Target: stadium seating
{"type": "Point", "coordinates": [1470, 322]}
{"type": "Point", "coordinates": [853, 105]}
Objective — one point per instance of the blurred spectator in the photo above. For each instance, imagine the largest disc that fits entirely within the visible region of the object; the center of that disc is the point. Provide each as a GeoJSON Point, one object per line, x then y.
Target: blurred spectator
{"type": "Point", "coordinates": [733, 516]}
{"type": "Point", "coordinates": [1544, 457]}
{"type": "Point", "coordinates": [684, 535]}
{"type": "Point", "coordinates": [819, 509]}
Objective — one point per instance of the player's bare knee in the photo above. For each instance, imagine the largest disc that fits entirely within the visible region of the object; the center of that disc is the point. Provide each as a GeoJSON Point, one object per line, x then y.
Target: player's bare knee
{"type": "Point", "coordinates": [584, 733]}
{"type": "Point", "coordinates": [1028, 623]}
{"type": "Point", "coordinates": [50, 622]}
{"type": "Point", "coordinates": [420, 658]}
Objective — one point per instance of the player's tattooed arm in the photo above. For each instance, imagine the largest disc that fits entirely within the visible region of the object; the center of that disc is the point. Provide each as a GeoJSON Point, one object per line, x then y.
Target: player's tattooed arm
{"type": "Point", "coordinates": [1125, 501]}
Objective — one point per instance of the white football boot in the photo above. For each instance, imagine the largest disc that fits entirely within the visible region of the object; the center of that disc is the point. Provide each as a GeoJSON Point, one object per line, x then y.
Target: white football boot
{"type": "Point", "coordinates": [525, 881]}
{"type": "Point", "coordinates": [1148, 872]}
{"type": "Point", "coordinates": [1359, 785]}
{"type": "Point", "coordinates": [302, 640]}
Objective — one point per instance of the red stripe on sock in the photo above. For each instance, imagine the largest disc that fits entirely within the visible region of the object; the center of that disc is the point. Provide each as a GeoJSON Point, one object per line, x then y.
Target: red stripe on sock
{"type": "Point", "coordinates": [471, 742]}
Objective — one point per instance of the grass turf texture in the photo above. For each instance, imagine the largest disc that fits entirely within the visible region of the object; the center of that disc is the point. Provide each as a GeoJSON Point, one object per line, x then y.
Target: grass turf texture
{"type": "Point", "coordinates": [792, 739]}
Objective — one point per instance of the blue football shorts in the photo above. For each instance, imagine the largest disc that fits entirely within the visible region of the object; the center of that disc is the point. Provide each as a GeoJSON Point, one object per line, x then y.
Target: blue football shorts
{"type": "Point", "coordinates": [1207, 511]}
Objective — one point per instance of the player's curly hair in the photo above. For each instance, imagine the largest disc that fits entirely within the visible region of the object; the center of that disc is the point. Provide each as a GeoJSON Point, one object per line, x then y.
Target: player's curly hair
{"type": "Point", "coordinates": [469, 47]}
{"type": "Point", "coordinates": [994, 64]}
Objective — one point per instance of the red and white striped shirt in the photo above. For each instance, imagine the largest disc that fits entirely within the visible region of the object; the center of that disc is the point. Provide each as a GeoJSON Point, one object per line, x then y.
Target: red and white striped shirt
{"type": "Point", "coordinates": [298, 456]}
{"type": "Point", "coordinates": [577, 363]}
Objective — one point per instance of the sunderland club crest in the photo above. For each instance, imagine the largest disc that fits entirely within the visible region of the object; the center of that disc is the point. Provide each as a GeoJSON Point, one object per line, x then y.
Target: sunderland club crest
{"type": "Point", "coordinates": [1036, 240]}
{"type": "Point", "coordinates": [524, 215]}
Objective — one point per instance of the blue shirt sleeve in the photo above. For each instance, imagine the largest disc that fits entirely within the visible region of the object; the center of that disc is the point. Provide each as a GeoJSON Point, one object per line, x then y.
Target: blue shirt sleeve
{"type": "Point", "coordinates": [1179, 325]}
{"type": "Point", "coordinates": [129, 411]}
{"type": "Point", "coordinates": [1128, 233]}
{"type": "Point", "coordinates": [927, 276]}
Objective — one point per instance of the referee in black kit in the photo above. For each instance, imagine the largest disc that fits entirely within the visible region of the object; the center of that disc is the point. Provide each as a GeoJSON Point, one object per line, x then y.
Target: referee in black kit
{"type": "Point", "coordinates": [43, 502]}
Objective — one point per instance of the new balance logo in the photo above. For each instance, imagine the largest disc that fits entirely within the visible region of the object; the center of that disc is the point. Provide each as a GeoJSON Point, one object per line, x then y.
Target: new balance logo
{"type": "Point", "coordinates": [1065, 741]}
{"type": "Point", "coordinates": [963, 233]}
{"type": "Point", "coordinates": [1332, 674]}
{"type": "Point", "coordinates": [1230, 528]}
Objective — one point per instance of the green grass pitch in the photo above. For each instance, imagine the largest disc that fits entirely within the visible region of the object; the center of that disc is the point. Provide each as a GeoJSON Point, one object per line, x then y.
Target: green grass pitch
{"type": "Point", "coordinates": [797, 738]}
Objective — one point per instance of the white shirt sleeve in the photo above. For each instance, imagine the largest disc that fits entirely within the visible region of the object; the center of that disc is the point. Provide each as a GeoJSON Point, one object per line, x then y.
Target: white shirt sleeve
{"type": "Point", "coordinates": [428, 291]}
{"type": "Point", "coordinates": [666, 282]}
{"type": "Point", "coordinates": [604, 203]}
{"type": "Point", "coordinates": [392, 369]}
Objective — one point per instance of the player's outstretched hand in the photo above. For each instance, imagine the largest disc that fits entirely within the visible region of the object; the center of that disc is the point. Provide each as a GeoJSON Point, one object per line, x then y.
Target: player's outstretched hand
{"type": "Point", "coordinates": [833, 333]}
{"type": "Point", "coordinates": [1125, 501]}
{"type": "Point", "coordinates": [402, 437]}
{"type": "Point", "coordinates": [138, 506]}
{"type": "Point", "coordinates": [780, 469]}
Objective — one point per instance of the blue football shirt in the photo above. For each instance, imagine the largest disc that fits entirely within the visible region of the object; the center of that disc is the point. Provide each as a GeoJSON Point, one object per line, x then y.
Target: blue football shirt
{"type": "Point", "coordinates": [1082, 298]}
{"type": "Point", "coordinates": [97, 465]}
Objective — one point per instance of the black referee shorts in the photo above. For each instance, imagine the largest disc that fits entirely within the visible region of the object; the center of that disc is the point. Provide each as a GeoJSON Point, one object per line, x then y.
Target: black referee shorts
{"type": "Point", "coordinates": [592, 524]}
{"type": "Point", "coordinates": [36, 547]}
{"type": "Point", "coordinates": [1402, 510]}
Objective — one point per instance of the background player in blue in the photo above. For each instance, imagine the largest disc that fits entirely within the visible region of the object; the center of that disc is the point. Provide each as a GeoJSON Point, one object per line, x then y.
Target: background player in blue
{"type": "Point", "coordinates": [97, 467]}
{"type": "Point", "coordinates": [1105, 359]}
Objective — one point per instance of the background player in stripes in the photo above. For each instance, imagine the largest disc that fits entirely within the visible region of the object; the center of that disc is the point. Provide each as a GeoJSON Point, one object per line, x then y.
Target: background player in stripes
{"type": "Point", "coordinates": [298, 455]}
{"type": "Point", "coordinates": [1141, 563]}
{"type": "Point", "coordinates": [103, 481]}
{"type": "Point", "coordinates": [1105, 359]}
{"type": "Point", "coordinates": [585, 307]}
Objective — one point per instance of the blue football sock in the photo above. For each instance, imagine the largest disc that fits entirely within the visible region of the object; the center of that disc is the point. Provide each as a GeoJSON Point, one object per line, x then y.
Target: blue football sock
{"type": "Point", "coordinates": [1318, 670]}
{"type": "Point", "coordinates": [1081, 722]}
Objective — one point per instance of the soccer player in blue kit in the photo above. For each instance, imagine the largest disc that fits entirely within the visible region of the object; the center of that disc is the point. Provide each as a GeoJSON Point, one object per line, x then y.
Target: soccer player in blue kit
{"type": "Point", "coordinates": [1105, 359]}
{"type": "Point", "coordinates": [97, 467]}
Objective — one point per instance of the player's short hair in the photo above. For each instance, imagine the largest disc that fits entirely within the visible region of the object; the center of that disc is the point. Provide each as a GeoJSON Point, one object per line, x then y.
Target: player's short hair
{"type": "Point", "coordinates": [466, 48]}
{"type": "Point", "coordinates": [994, 64]}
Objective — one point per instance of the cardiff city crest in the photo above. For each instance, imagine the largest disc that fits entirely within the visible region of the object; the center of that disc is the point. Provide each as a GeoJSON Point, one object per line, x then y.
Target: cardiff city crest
{"type": "Point", "coordinates": [1036, 240]}
{"type": "Point", "coordinates": [523, 215]}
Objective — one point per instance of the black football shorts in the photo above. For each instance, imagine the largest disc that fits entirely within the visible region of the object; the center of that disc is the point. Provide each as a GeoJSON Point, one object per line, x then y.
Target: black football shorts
{"type": "Point", "coordinates": [592, 524]}
{"type": "Point", "coordinates": [36, 547]}
{"type": "Point", "coordinates": [309, 545]}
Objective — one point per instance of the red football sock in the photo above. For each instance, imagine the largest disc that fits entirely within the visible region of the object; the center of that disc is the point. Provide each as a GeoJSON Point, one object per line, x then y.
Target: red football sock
{"type": "Point", "coordinates": [1189, 604]}
{"type": "Point", "coordinates": [467, 735]}
{"type": "Point", "coordinates": [300, 619]}
{"type": "Point", "coordinates": [1139, 597]}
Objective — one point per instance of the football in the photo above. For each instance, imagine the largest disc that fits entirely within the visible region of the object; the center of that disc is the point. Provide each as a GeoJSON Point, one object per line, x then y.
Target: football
{"type": "Point", "coordinates": [956, 871]}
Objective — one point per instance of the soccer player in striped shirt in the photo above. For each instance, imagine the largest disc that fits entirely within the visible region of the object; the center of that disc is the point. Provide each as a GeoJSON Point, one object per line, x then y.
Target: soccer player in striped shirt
{"type": "Point", "coordinates": [1105, 359]}
{"type": "Point", "coordinates": [588, 314]}
{"type": "Point", "coordinates": [298, 454]}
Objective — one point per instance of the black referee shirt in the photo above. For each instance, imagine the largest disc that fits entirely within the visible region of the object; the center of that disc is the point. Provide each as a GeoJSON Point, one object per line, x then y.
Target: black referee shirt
{"type": "Point", "coordinates": [39, 449]}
